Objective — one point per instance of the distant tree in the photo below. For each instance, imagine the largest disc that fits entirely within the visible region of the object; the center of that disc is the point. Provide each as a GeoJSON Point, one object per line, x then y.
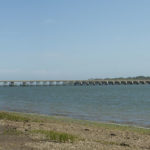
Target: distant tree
{"type": "Point", "coordinates": [126, 78]}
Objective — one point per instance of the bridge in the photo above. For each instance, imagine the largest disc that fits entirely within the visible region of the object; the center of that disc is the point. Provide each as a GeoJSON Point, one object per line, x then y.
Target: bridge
{"type": "Point", "coordinates": [13, 83]}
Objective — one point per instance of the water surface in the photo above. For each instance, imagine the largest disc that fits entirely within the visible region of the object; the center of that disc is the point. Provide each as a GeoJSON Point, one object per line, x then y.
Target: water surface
{"type": "Point", "coordinates": [127, 104]}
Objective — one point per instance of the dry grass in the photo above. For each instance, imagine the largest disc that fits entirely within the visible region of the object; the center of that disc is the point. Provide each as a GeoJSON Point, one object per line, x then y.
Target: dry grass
{"type": "Point", "coordinates": [11, 131]}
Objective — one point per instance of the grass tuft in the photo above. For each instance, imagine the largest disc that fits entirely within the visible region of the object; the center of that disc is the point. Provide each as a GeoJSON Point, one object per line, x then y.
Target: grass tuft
{"type": "Point", "coordinates": [56, 136]}
{"type": "Point", "coordinates": [13, 117]}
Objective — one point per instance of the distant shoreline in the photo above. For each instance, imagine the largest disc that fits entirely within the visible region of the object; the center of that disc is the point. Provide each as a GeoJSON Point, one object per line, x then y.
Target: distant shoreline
{"type": "Point", "coordinates": [124, 78]}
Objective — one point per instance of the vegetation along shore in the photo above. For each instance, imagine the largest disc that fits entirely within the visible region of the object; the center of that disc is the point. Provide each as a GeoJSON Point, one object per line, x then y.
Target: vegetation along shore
{"type": "Point", "coordinates": [20, 131]}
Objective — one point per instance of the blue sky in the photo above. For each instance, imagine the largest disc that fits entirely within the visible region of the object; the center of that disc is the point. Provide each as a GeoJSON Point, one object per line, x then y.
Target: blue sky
{"type": "Point", "coordinates": [74, 39]}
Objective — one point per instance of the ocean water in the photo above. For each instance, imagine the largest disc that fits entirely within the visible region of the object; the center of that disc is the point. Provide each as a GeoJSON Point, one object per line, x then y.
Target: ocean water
{"type": "Point", "coordinates": [125, 104]}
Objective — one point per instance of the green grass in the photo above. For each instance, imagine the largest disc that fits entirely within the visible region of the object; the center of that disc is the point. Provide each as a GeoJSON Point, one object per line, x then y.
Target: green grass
{"type": "Point", "coordinates": [13, 117]}
{"type": "Point", "coordinates": [56, 136]}
{"type": "Point", "coordinates": [21, 117]}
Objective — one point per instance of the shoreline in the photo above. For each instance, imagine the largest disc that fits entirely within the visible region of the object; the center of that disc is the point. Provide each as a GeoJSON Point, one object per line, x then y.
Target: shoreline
{"type": "Point", "coordinates": [41, 132]}
{"type": "Point", "coordinates": [78, 119]}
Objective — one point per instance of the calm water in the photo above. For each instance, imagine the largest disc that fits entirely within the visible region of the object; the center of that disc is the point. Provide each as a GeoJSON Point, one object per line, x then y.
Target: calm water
{"type": "Point", "coordinates": [128, 104]}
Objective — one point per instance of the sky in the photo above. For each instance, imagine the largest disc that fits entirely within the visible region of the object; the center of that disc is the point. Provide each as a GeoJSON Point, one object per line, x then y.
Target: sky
{"type": "Point", "coordinates": [74, 39]}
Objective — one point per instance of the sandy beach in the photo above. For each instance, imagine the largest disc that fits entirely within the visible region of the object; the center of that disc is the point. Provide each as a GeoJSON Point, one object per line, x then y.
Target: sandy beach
{"type": "Point", "coordinates": [20, 131]}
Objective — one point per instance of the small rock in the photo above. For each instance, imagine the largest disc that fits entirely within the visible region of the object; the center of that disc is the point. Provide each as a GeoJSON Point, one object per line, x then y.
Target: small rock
{"type": "Point", "coordinates": [124, 144]}
{"type": "Point", "coordinates": [26, 130]}
{"type": "Point", "coordinates": [87, 129]}
{"type": "Point", "coordinates": [113, 134]}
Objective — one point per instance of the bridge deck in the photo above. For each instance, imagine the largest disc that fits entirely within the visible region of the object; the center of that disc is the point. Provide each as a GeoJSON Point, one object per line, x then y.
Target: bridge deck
{"type": "Point", "coordinates": [70, 82]}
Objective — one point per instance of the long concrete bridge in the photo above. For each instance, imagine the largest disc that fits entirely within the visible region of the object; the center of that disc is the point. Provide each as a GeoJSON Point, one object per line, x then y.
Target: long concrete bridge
{"type": "Point", "coordinates": [71, 82]}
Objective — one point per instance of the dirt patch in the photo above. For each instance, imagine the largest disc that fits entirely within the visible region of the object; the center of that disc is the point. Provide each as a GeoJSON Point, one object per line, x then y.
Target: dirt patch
{"type": "Point", "coordinates": [11, 139]}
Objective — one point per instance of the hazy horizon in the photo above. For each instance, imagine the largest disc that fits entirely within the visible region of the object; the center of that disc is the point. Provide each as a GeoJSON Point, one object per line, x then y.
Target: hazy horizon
{"type": "Point", "coordinates": [72, 40]}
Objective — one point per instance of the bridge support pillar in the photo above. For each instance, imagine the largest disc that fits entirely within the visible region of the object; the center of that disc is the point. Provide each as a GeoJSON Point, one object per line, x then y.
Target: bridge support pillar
{"type": "Point", "coordinates": [5, 83]}
{"type": "Point", "coordinates": [24, 83]}
{"type": "Point", "coordinates": [11, 83]}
